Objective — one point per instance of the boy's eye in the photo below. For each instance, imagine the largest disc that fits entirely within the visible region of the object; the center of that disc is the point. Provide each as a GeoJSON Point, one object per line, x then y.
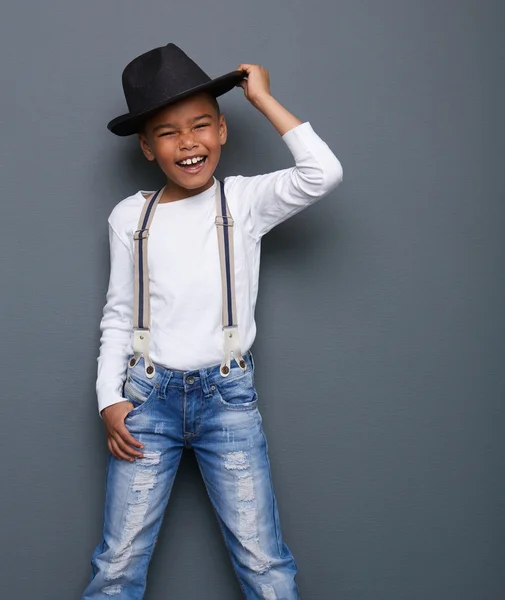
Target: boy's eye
{"type": "Point", "coordinates": [173, 132]}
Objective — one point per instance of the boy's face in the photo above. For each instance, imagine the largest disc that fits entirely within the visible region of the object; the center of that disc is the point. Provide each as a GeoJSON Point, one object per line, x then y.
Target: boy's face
{"type": "Point", "coordinates": [189, 128]}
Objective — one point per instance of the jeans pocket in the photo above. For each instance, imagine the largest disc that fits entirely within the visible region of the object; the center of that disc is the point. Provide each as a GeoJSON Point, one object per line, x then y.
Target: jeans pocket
{"type": "Point", "coordinates": [139, 392]}
{"type": "Point", "coordinates": [237, 393]}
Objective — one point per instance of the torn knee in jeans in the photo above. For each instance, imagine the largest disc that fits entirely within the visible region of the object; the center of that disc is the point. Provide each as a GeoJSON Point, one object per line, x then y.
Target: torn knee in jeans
{"type": "Point", "coordinates": [144, 481]}
{"type": "Point", "coordinates": [268, 592]}
{"type": "Point", "coordinates": [112, 590]}
{"type": "Point", "coordinates": [247, 530]}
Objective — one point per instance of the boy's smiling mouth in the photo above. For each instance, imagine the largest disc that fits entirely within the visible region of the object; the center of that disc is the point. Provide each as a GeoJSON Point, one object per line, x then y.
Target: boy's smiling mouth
{"type": "Point", "coordinates": [193, 164]}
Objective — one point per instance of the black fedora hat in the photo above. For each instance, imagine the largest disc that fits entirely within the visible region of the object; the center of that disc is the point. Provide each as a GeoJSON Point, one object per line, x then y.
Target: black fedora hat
{"type": "Point", "coordinates": [160, 77]}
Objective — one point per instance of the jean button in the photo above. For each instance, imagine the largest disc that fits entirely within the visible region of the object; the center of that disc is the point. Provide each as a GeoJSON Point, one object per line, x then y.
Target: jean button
{"type": "Point", "coordinates": [190, 380]}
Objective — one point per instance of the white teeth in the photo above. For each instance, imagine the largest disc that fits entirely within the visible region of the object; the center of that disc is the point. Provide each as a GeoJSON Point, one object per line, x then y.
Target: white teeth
{"type": "Point", "coordinates": [191, 161]}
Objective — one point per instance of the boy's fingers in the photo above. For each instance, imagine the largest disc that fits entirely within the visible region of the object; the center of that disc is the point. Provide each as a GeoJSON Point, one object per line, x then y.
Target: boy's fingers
{"type": "Point", "coordinates": [122, 430]}
{"type": "Point", "coordinates": [126, 451]}
{"type": "Point", "coordinates": [125, 441]}
{"type": "Point", "coordinates": [125, 447]}
{"type": "Point", "coordinates": [244, 67]}
{"type": "Point", "coordinates": [117, 452]}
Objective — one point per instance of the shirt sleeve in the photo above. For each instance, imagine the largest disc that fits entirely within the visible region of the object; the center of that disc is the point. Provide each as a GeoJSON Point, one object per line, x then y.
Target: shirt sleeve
{"type": "Point", "coordinates": [269, 199]}
{"type": "Point", "coordinates": [116, 325]}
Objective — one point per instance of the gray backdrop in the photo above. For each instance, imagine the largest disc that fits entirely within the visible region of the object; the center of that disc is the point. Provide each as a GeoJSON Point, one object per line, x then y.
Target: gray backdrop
{"type": "Point", "coordinates": [380, 346]}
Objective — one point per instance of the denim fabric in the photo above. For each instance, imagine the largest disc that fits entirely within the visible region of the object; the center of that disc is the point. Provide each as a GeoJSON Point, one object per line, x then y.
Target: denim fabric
{"type": "Point", "coordinates": [219, 418]}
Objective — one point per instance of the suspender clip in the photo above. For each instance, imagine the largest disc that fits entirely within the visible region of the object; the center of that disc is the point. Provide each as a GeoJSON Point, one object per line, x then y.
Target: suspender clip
{"type": "Point", "coordinates": [141, 234]}
{"type": "Point", "coordinates": [231, 346]}
{"type": "Point", "coordinates": [141, 339]}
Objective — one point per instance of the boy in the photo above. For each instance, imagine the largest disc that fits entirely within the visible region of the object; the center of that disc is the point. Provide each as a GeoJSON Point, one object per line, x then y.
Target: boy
{"type": "Point", "coordinates": [175, 368]}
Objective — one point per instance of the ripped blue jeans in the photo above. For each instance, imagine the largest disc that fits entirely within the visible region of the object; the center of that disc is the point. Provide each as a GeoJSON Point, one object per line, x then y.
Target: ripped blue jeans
{"type": "Point", "coordinates": [219, 418]}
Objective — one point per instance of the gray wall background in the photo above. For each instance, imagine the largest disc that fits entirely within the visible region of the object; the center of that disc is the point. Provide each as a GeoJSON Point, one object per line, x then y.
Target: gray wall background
{"type": "Point", "coordinates": [380, 347]}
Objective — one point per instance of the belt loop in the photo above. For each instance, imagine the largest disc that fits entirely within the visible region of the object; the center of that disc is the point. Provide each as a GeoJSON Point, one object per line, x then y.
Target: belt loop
{"type": "Point", "coordinates": [204, 381]}
{"type": "Point", "coordinates": [167, 375]}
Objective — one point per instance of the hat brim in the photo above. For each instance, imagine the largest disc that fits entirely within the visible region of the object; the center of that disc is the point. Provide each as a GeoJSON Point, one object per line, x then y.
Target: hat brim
{"type": "Point", "coordinates": [131, 123]}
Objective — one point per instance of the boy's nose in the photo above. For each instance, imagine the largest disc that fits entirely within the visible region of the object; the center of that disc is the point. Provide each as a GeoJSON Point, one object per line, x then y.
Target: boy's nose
{"type": "Point", "coordinates": [187, 142]}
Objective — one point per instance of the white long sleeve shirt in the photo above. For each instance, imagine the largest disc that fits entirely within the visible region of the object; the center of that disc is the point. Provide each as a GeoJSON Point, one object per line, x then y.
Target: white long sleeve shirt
{"type": "Point", "coordinates": [184, 267]}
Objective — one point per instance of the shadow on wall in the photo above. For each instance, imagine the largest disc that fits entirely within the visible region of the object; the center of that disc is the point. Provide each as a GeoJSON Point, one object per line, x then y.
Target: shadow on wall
{"type": "Point", "coordinates": [303, 238]}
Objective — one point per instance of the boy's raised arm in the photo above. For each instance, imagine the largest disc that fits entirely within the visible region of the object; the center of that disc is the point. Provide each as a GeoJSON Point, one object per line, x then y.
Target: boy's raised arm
{"type": "Point", "coordinates": [269, 199]}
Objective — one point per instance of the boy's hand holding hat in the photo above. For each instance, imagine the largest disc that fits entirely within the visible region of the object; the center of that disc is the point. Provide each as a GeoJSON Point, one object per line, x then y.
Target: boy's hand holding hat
{"type": "Point", "coordinates": [257, 82]}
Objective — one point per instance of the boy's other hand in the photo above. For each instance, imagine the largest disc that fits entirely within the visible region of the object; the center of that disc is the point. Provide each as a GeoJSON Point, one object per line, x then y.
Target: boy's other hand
{"type": "Point", "coordinates": [257, 84]}
{"type": "Point", "coordinates": [119, 439]}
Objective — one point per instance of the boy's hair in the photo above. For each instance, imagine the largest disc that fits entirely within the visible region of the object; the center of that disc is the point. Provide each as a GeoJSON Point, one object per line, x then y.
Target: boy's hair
{"type": "Point", "coordinates": [213, 100]}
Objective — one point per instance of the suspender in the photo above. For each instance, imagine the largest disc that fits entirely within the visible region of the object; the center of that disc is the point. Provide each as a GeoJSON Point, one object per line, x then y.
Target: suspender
{"type": "Point", "coordinates": [224, 224]}
{"type": "Point", "coordinates": [141, 305]}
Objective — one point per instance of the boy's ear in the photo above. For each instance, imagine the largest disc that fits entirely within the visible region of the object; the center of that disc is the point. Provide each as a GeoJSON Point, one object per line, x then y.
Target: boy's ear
{"type": "Point", "coordinates": [223, 130]}
{"type": "Point", "coordinates": [144, 144]}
